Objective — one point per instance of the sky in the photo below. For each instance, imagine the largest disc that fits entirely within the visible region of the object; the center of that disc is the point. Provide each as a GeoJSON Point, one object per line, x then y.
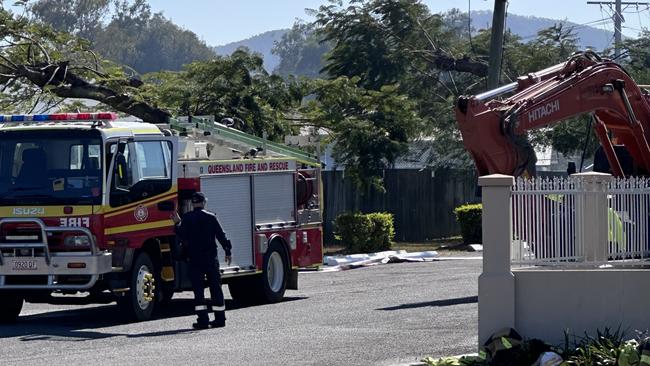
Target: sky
{"type": "Point", "coordinates": [218, 22]}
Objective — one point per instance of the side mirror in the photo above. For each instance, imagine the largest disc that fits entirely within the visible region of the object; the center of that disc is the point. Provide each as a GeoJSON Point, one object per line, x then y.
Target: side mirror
{"type": "Point", "coordinates": [121, 174]}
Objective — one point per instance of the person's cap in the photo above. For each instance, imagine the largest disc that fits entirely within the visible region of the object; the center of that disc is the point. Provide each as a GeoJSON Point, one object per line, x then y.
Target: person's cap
{"type": "Point", "coordinates": [198, 197]}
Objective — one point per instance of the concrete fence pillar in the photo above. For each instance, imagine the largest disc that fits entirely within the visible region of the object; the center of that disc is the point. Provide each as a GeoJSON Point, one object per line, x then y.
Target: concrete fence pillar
{"type": "Point", "coordinates": [591, 216]}
{"type": "Point", "coordinates": [496, 285]}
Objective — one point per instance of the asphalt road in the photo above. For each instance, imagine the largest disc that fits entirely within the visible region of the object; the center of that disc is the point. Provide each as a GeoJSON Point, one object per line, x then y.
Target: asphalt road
{"type": "Point", "coordinates": [384, 315]}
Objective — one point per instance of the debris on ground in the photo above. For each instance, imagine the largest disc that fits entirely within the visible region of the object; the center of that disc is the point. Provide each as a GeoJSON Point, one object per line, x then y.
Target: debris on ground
{"type": "Point", "coordinates": [475, 248]}
{"type": "Point", "coordinates": [343, 262]}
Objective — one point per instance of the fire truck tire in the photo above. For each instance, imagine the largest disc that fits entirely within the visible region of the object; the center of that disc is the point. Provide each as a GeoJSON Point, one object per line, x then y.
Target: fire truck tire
{"type": "Point", "coordinates": [269, 287]}
{"type": "Point", "coordinates": [135, 304]}
{"type": "Point", "coordinates": [166, 293]}
{"type": "Point", "coordinates": [242, 290]}
{"type": "Point", "coordinates": [274, 273]}
{"type": "Point", "coordinates": [10, 307]}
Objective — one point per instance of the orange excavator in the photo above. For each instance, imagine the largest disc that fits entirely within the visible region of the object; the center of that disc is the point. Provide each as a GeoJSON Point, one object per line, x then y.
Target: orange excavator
{"type": "Point", "coordinates": [495, 130]}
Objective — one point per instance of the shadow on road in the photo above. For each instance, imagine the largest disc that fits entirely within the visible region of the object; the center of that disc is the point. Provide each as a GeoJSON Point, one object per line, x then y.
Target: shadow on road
{"type": "Point", "coordinates": [77, 325]}
{"type": "Point", "coordinates": [446, 302]}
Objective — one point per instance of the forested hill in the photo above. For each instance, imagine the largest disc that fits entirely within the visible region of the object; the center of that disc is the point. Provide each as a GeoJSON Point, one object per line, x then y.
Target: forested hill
{"type": "Point", "coordinates": [528, 26]}
{"type": "Point", "coordinates": [261, 43]}
{"type": "Point", "coordinates": [524, 26]}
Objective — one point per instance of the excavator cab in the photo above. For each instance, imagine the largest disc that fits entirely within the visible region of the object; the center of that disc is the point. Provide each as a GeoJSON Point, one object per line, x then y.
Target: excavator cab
{"type": "Point", "coordinates": [601, 164]}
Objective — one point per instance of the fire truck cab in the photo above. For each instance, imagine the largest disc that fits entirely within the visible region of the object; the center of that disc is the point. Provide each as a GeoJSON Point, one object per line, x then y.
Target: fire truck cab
{"type": "Point", "coordinates": [86, 200]}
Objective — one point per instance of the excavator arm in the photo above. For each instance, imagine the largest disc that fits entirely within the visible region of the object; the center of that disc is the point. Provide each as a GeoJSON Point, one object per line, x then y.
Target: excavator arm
{"type": "Point", "coordinates": [495, 131]}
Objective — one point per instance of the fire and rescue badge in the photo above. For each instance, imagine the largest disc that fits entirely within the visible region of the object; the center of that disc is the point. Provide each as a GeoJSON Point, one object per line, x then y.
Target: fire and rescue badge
{"type": "Point", "coordinates": [141, 213]}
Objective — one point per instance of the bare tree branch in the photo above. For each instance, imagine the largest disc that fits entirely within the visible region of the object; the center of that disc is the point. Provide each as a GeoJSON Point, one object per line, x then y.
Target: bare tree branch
{"type": "Point", "coordinates": [13, 65]}
{"type": "Point", "coordinates": [36, 103]}
{"type": "Point", "coordinates": [70, 85]}
{"type": "Point", "coordinates": [94, 71]}
{"type": "Point", "coordinates": [32, 41]}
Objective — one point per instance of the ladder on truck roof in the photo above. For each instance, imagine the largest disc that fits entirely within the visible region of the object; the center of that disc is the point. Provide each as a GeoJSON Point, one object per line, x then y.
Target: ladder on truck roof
{"type": "Point", "coordinates": [209, 129]}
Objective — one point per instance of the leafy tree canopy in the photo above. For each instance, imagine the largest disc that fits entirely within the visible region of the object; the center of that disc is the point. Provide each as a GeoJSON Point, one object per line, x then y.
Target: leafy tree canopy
{"type": "Point", "coordinates": [235, 86]}
{"type": "Point", "coordinates": [391, 72]}
{"type": "Point", "coordinates": [370, 128]}
{"type": "Point", "coordinates": [301, 51]}
{"type": "Point", "coordinates": [39, 68]}
{"type": "Point", "coordinates": [123, 31]}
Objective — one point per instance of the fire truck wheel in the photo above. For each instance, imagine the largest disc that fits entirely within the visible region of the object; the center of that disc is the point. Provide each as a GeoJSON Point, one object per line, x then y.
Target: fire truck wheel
{"type": "Point", "coordinates": [138, 303]}
{"type": "Point", "coordinates": [274, 273]}
{"type": "Point", "coordinates": [10, 307]}
{"type": "Point", "coordinates": [165, 294]}
{"type": "Point", "coordinates": [242, 290]}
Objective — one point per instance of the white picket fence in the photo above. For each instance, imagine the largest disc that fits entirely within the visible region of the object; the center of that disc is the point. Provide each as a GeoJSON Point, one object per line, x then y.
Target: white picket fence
{"type": "Point", "coordinates": [551, 218]}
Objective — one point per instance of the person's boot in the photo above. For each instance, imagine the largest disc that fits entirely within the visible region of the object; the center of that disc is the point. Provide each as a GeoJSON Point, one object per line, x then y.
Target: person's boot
{"type": "Point", "coordinates": [219, 319]}
{"type": "Point", "coordinates": [199, 325]}
{"type": "Point", "coordinates": [202, 321]}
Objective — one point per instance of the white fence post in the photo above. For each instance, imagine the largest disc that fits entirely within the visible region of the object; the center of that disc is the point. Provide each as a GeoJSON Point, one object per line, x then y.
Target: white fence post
{"type": "Point", "coordinates": [592, 215]}
{"type": "Point", "coordinates": [496, 285]}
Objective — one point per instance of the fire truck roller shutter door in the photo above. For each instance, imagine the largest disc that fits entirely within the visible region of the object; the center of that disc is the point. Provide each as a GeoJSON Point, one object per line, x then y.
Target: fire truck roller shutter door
{"type": "Point", "coordinates": [274, 198]}
{"type": "Point", "coordinates": [230, 198]}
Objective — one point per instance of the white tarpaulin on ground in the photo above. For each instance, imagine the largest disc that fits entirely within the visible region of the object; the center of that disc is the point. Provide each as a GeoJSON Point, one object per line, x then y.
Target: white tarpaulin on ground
{"type": "Point", "coordinates": [333, 263]}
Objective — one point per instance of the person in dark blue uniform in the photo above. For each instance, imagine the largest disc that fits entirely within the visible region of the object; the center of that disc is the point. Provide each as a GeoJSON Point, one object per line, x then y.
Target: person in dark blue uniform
{"type": "Point", "coordinates": [198, 229]}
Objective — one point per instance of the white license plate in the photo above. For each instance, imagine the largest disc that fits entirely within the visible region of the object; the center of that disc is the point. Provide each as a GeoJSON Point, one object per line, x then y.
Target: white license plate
{"type": "Point", "coordinates": [24, 265]}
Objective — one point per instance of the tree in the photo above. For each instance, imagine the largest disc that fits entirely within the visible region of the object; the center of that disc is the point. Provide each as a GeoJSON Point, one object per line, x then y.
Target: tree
{"type": "Point", "coordinates": [39, 68]}
{"type": "Point", "coordinates": [301, 51]}
{"type": "Point", "coordinates": [82, 18]}
{"type": "Point", "coordinates": [638, 57]}
{"type": "Point", "coordinates": [229, 86]}
{"type": "Point", "coordinates": [133, 35]}
{"type": "Point", "coordinates": [381, 40]}
{"type": "Point", "coordinates": [370, 128]}
{"type": "Point", "coordinates": [401, 44]}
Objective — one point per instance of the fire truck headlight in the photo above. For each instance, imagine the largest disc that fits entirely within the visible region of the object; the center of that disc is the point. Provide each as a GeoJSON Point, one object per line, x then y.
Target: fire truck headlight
{"type": "Point", "coordinates": [76, 241]}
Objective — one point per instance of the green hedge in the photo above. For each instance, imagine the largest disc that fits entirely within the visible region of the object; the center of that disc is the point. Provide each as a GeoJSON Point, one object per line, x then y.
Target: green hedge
{"type": "Point", "coordinates": [469, 217]}
{"type": "Point", "coordinates": [365, 233]}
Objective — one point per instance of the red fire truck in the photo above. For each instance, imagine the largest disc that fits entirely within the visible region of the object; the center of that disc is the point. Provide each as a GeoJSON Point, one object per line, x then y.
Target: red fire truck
{"type": "Point", "coordinates": [85, 204]}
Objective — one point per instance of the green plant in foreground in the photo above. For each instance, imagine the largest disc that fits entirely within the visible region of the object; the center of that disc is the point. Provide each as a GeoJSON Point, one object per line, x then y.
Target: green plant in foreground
{"type": "Point", "coordinates": [455, 361]}
{"type": "Point", "coordinates": [365, 233]}
{"type": "Point", "coordinates": [603, 349]}
{"type": "Point", "coordinates": [469, 216]}
{"type": "Point", "coordinates": [607, 347]}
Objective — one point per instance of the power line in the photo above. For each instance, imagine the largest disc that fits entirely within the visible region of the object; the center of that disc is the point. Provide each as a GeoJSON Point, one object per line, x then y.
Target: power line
{"type": "Point", "coordinates": [592, 24]}
{"type": "Point", "coordinates": [617, 9]}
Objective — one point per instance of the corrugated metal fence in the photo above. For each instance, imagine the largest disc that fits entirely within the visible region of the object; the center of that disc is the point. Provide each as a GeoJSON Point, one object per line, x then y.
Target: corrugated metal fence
{"type": "Point", "coordinates": [422, 201]}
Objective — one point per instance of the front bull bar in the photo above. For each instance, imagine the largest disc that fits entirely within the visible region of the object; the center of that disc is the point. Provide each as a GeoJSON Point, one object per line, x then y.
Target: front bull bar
{"type": "Point", "coordinates": [95, 262]}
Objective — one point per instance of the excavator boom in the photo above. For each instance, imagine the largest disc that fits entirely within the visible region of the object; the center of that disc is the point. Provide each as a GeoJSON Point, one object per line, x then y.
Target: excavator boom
{"type": "Point", "coordinates": [495, 131]}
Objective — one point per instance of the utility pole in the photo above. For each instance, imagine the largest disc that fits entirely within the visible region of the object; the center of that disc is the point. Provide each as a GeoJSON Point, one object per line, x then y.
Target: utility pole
{"type": "Point", "coordinates": [618, 23]}
{"type": "Point", "coordinates": [496, 43]}
{"type": "Point", "coordinates": [618, 19]}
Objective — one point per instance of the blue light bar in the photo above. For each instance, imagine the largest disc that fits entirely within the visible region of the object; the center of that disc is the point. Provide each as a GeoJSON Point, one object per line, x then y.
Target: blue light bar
{"type": "Point", "coordinates": [59, 117]}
